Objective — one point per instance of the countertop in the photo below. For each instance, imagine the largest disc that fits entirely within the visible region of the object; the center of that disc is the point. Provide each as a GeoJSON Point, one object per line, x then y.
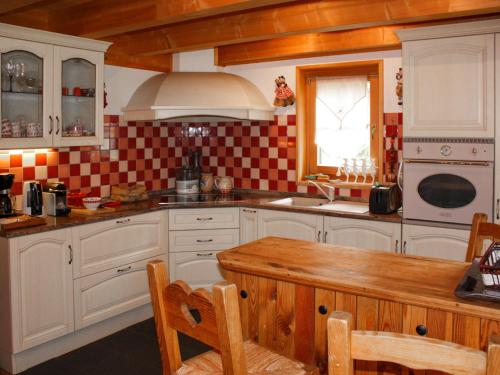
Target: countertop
{"type": "Point", "coordinates": [250, 200]}
{"type": "Point", "coordinates": [414, 280]}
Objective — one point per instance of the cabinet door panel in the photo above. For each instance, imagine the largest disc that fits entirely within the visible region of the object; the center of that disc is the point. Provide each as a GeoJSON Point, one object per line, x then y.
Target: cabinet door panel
{"type": "Point", "coordinates": [204, 218]}
{"type": "Point", "coordinates": [109, 293]}
{"type": "Point", "coordinates": [248, 225]}
{"type": "Point", "coordinates": [203, 240]}
{"type": "Point", "coordinates": [198, 269]}
{"type": "Point", "coordinates": [112, 243]}
{"type": "Point", "coordinates": [435, 242]}
{"type": "Point", "coordinates": [44, 288]}
{"type": "Point", "coordinates": [365, 234]}
{"type": "Point", "coordinates": [290, 225]}
{"type": "Point", "coordinates": [437, 74]}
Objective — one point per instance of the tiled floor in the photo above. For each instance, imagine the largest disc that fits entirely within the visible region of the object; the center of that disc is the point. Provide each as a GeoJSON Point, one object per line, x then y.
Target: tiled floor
{"type": "Point", "coordinates": [133, 351]}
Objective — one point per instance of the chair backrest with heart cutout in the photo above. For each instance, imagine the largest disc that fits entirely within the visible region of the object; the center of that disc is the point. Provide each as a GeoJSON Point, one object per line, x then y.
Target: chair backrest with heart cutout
{"type": "Point", "coordinates": [213, 319]}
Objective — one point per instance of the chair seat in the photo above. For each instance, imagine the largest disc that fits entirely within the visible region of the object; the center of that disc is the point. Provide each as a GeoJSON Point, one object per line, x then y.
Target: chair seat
{"type": "Point", "coordinates": [260, 361]}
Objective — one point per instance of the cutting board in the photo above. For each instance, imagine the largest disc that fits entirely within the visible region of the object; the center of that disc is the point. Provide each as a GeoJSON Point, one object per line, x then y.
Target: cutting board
{"type": "Point", "coordinates": [86, 212]}
{"type": "Point", "coordinates": [22, 221]}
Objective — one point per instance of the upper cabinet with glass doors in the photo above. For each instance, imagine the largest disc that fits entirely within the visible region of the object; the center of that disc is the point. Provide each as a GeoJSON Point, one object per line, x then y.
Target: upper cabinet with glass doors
{"type": "Point", "coordinates": [52, 89]}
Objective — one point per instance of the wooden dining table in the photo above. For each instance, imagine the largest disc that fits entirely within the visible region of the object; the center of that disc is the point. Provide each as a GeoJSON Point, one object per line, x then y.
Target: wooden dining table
{"type": "Point", "coordinates": [288, 288]}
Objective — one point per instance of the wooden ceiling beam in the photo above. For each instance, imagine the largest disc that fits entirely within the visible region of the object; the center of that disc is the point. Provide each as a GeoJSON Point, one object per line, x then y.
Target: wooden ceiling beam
{"type": "Point", "coordinates": [102, 19]}
{"type": "Point", "coordinates": [7, 6]}
{"type": "Point", "coordinates": [296, 18]}
{"type": "Point", "coordinates": [309, 45]}
{"type": "Point", "coordinates": [117, 56]}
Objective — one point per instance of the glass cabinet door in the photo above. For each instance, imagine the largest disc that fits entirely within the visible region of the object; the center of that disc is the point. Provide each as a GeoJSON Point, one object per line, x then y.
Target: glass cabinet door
{"type": "Point", "coordinates": [25, 96]}
{"type": "Point", "coordinates": [79, 116]}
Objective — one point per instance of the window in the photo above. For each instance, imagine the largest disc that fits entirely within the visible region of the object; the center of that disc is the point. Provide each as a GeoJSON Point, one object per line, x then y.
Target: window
{"type": "Point", "coordinates": [338, 113]}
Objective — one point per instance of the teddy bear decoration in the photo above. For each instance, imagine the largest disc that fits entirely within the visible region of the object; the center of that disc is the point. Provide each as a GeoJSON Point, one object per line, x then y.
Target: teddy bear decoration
{"type": "Point", "coordinates": [284, 95]}
{"type": "Point", "coordinates": [399, 86]}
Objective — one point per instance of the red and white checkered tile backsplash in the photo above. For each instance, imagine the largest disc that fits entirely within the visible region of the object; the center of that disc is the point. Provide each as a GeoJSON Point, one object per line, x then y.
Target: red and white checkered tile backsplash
{"type": "Point", "coordinates": [259, 155]}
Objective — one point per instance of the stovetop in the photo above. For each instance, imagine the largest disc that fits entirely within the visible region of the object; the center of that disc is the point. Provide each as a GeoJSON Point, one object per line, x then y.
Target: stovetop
{"type": "Point", "coordinates": [198, 198]}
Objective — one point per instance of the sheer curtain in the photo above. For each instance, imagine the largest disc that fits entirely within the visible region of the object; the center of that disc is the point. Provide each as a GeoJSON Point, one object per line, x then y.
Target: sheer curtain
{"type": "Point", "coordinates": [342, 119]}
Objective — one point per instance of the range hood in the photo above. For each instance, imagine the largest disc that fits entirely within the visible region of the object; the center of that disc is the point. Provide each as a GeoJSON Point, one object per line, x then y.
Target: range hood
{"type": "Point", "coordinates": [197, 94]}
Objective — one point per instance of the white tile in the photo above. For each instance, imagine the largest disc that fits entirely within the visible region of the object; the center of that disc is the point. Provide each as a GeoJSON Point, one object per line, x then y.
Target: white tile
{"type": "Point", "coordinates": [139, 143]}
{"type": "Point", "coordinates": [245, 163]}
{"type": "Point", "coordinates": [132, 176]}
{"type": "Point", "coordinates": [229, 141]}
{"type": "Point", "coordinates": [273, 152]}
{"type": "Point", "coordinates": [264, 142]}
{"type": "Point", "coordinates": [255, 131]}
{"type": "Point", "coordinates": [254, 173]}
{"type": "Point", "coordinates": [291, 131]}
{"type": "Point", "coordinates": [114, 155]}
{"type": "Point", "coordinates": [238, 151]}
{"type": "Point", "coordinates": [74, 157]}
{"type": "Point", "coordinates": [122, 166]}
{"type": "Point", "coordinates": [156, 164]}
{"type": "Point", "coordinates": [132, 132]}
{"type": "Point", "coordinates": [105, 144]}
{"type": "Point", "coordinates": [163, 173]}
{"type": "Point", "coordinates": [105, 191]}
{"type": "Point", "coordinates": [282, 120]}
{"type": "Point", "coordinates": [221, 171]}
{"type": "Point", "coordinates": [264, 185]}
{"type": "Point", "coordinates": [163, 131]}
{"type": "Point", "coordinates": [171, 142]}
{"type": "Point", "coordinates": [95, 180]}
{"type": "Point", "coordinates": [41, 173]}
{"type": "Point", "coordinates": [282, 163]}
{"type": "Point", "coordinates": [28, 159]}
{"type": "Point", "coordinates": [85, 169]}
{"type": "Point", "coordinates": [291, 175]}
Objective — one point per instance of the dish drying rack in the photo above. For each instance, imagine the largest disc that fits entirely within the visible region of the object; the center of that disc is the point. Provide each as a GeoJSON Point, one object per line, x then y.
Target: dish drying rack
{"type": "Point", "coordinates": [489, 266]}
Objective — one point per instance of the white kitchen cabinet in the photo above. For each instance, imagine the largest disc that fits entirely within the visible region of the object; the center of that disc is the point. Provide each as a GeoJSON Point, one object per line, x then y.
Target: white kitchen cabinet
{"type": "Point", "coordinates": [198, 269]}
{"type": "Point", "coordinates": [112, 292]}
{"type": "Point", "coordinates": [366, 234]}
{"type": "Point", "coordinates": [41, 277]}
{"type": "Point", "coordinates": [203, 240]}
{"type": "Point", "coordinates": [113, 243]}
{"type": "Point", "coordinates": [203, 218]}
{"type": "Point", "coordinates": [53, 96]}
{"type": "Point", "coordinates": [248, 225]}
{"type": "Point", "coordinates": [435, 242]}
{"type": "Point", "coordinates": [448, 85]}
{"type": "Point", "coordinates": [290, 225]}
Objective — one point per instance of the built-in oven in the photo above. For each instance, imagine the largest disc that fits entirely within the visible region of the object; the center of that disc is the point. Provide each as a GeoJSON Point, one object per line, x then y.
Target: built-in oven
{"type": "Point", "coordinates": [446, 181]}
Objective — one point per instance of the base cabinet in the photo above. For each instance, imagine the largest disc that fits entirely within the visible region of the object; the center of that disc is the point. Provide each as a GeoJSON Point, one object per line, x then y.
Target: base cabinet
{"type": "Point", "coordinates": [367, 234]}
{"type": "Point", "coordinates": [41, 276]}
{"type": "Point", "coordinates": [248, 225]}
{"type": "Point", "coordinates": [435, 242]}
{"type": "Point", "coordinates": [290, 225]}
{"type": "Point", "coordinates": [198, 269]}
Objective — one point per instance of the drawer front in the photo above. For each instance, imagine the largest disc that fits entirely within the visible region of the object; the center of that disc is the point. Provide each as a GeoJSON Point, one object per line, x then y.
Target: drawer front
{"type": "Point", "coordinates": [110, 244]}
{"type": "Point", "coordinates": [204, 218]}
{"type": "Point", "coordinates": [198, 269]}
{"type": "Point", "coordinates": [202, 240]}
{"type": "Point", "coordinates": [112, 292]}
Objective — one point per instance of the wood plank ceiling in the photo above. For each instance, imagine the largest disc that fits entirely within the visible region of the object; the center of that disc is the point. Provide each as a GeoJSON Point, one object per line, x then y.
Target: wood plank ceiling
{"type": "Point", "coordinates": [146, 32]}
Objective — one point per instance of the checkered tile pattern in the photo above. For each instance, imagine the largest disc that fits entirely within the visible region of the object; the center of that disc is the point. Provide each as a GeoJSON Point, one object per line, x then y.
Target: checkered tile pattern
{"type": "Point", "coordinates": [259, 155]}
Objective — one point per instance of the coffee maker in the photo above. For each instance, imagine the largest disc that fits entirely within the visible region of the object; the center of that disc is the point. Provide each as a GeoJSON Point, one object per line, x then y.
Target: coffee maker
{"type": "Point", "coordinates": [54, 199]}
{"type": "Point", "coordinates": [32, 198]}
{"type": "Point", "coordinates": [6, 199]}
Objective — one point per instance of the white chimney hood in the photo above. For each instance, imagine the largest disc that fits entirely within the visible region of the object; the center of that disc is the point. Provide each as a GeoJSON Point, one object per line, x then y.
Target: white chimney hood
{"type": "Point", "coordinates": [197, 94]}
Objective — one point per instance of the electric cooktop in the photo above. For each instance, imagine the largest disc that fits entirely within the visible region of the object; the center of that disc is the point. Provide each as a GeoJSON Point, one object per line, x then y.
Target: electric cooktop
{"type": "Point", "coordinates": [198, 198]}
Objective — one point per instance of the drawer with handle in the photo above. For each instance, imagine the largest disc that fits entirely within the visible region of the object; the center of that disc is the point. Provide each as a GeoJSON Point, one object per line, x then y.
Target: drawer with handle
{"type": "Point", "coordinates": [204, 218]}
{"type": "Point", "coordinates": [112, 292]}
{"type": "Point", "coordinates": [203, 240]}
{"type": "Point", "coordinates": [108, 244]}
{"type": "Point", "coordinates": [200, 269]}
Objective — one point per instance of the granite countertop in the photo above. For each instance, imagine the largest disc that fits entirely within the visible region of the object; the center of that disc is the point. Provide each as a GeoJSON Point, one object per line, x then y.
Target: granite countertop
{"type": "Point", "coordinates": [249, 200]}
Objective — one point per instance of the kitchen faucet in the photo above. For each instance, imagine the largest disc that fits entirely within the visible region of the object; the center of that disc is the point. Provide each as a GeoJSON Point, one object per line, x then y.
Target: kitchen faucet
{"type": "Point", "coordinates": [330, 194]}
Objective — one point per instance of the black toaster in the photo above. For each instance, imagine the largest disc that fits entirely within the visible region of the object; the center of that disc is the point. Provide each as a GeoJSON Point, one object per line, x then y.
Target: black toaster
{"type": "Point", "coordinates": [385, 199]}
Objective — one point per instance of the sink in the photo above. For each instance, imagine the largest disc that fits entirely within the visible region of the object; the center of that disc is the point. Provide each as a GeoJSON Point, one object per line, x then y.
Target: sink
{"type": "Point", "coordinates": [323, 204]}
{"type": "Point", "coordinates": [358, 208]}
{"type": "Point", "coordinates": [300, 202]}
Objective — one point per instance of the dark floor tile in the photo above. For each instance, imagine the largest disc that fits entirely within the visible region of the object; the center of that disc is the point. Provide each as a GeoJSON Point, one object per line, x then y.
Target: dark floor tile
{"type": "Point", "coordinates": [132, 351]}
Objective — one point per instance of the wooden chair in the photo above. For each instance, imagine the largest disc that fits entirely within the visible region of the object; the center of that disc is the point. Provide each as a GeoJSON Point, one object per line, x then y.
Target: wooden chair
{"type": "Point", "coordinates": [480, 231]}
{"type": "Point", "coordinates": [420, 353]}
{"type": "Point", "coordinates": [219, 327]}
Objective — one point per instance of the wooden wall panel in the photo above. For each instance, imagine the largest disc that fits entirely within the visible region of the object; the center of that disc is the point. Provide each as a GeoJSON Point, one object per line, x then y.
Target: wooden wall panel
{"type": "Point", "coordinates": [346, 302]}
{"type": "Point", "coordinates": [285, 319]}
{"type": "Point", "coordinates": [366, 319]}
{"type": "Point", "coordinates": [412, 317]}
{"type": "Point", "coordinates": [325, 298]}
{"type": "Point", "coordinates": [267, 311]}
{"type": "Point", "coordinates": [467, 330]}
{"type": "Point", "coordinates": [304, 324]}
{"type": "Point", "coordinates": [390, 319]}
{"type": "Point", "coordinates": [488, 328]}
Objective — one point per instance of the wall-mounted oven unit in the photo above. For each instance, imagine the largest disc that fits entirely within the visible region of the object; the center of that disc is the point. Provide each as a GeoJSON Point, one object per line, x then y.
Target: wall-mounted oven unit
{"type": "Point", "coordinates": [447, 180]}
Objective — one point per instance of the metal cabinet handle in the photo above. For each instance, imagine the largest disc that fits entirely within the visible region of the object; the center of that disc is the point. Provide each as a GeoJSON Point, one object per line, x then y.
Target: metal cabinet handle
{"type": "Point", "coordinates": [122, 221]}
{"type": "Point", "coordinates": [126, 269]}
{"type": "Point", "coordinates": [319, 236]}
{"type": "Point", "coordinates": [396, 246]}
{"type": "Point", "coordinates": [70, 254]}
{"type": "Point", "coordinates": [51, 129]}
{"type": "Point", "coordinates": [498, 209]}
{"type": "Point", "coordinates": [204, 255]}
{"type": "Point", "coordinates": [421, 330]}
{"type": "Point", "coordinates": [57, 124]}
{"type": "Point", "coordinates": [209, 240]}
{"type": "Point", "coordinates": [249, 211]}
{"type": "Point", "coordinates": [204, 218]}
{"type": "Point", "coordinates": [404, 247]}
{"type": "Point", "coordinates": [324, 236]}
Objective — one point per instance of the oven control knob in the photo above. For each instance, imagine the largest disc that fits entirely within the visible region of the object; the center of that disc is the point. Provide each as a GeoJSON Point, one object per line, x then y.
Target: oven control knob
{"type": "Point", "coordinates": [446, 150]}
{"type": "Point", "coordinates": [474, 150]}
{"type": "Point", "coordinates": [419, 150]}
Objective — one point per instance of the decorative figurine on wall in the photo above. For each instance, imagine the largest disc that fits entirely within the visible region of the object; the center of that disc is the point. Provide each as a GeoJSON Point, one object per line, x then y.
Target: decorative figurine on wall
{"type": "Point", "coordinates": [284, 95]}
{"type": "Point", "coordinates": [399, 86]}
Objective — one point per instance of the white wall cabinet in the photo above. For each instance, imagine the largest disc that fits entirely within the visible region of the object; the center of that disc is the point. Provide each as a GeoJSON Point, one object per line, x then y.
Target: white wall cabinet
{"type": "Point", "coordinates": [248, 225]}
{"type": "Point", "coordinates": [42, 288]}
{"type": "Point", "coordinates": [449, 86]}
{"type": "Point", "coordinates": [435, 242]}
{"type": "Point", "coordinates": [53, 96]}
{"type": "Point", "coordinates": [290, 225]}
{"type": "Point", "coordinates": [367, 234]}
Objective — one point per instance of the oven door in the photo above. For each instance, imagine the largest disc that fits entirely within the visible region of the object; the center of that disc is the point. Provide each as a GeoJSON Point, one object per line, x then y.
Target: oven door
{"type": "Point", "coordinates": [447, 191]}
